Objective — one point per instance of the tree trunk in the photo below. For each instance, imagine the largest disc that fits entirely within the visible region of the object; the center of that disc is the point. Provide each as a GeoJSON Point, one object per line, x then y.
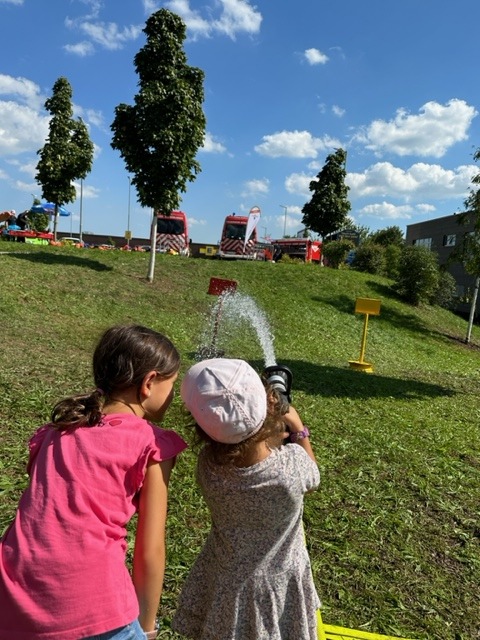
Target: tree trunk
{"type": "Point", "coordinates": [153, 247]}
{"type": "Point", "coordinates": [473, 308]}
{"type": "Point", "coordinates": [55, 223]}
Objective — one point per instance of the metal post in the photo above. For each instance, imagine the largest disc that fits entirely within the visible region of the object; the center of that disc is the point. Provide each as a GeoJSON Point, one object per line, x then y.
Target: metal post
{"type": "Point", "coordinates": [285, 220]}
{"type": "Point", "coordinates": [80, 234]}
{"type": "Point", "coordinates": [364, 339]}
{"type": "Point", "coordinates": [128, 213]}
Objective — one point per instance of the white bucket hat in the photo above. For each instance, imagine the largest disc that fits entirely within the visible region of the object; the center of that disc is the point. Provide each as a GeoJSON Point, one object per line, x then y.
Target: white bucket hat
{"type": "Point", "coordinates": [226, 397]}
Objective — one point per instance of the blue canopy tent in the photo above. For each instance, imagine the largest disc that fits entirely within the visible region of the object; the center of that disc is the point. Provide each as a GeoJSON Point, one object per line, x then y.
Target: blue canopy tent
{"type": "Point", "coordinates": [49, 208]}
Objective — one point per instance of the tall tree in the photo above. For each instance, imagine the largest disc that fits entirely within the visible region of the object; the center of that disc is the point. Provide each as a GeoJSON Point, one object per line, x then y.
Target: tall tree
{"type": "Point", "coordinates": [329, 206]}
{"type": "Point", "coordinates": [159, 136]}
{"type": "Point", "coordinates": [388, 236]}
{"type": "Point", "coordinates": [67, 154]}
{"type": "Point", "coordinates": [468, 252]}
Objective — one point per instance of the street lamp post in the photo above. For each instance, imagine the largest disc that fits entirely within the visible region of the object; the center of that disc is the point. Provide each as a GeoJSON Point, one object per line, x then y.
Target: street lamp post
{"type": "Point", "coordinates": [80, 230]}
{"type": "Point", "coordinates": [285, 220]}
{"type": "Point", "coordinates": [128, 234]}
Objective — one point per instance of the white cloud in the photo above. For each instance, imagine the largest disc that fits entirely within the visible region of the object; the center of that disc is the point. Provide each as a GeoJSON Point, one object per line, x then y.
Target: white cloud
{"type": "Point", "coordinates": [21, 129]}
{"type": "Point", "coordinates": [86, 190]}
{"type": "Point", "coordinates": [287, 221]}
{"type": "Point", "coordinates": [109, 36]}
{"type": "Point", "coordinates": [95, 117]}
{"type": "Point", "coordinates": [338, 111]}
{"type": "Point", "coordinates": [149, 6]}
{"type": "Point", "coordinates": [314, 56]}
{"type": "Point", "coordinates": [386, 211]}
{"type": "Point", "coordinates": [430, 133]}
{"type": "Point", "coordinates": [294, 144]}
{"type": "Point", "coordinates": [298, 183]}
{"type": "Point", "coordinates": [425, 208]}
{"type": "Point", "coordinates": [420, 180]}
{"type": "Point", "coordinates": [256, 187]}
{"type": "Point", "coordinates": [383, 180]}
{"type": "Point", "coordinates": [17, 2]}
{"type": "Point", "coordinates": [194, 221]}
{"type": "Point", "coordinates": [80, 49]}
{"type": "Point", "coordinates": [236, 16]}
{"type": "Point", "coordinates": [22, 90]}
{"type": "Point", "coordinates": [210, 145]}
{"type": "Point", "coordinates": [196, 25]}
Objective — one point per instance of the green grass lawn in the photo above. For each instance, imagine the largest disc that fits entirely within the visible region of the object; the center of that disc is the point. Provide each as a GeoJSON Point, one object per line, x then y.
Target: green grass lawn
{"type": "Point", "coordinates": [393, 530]}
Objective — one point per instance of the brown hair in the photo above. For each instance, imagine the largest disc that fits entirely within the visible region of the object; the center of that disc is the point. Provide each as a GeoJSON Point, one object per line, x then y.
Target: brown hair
{"type": "Point", "coordinates": [223, 454]}
{"type": "Point", "coordinates": [123, 356]}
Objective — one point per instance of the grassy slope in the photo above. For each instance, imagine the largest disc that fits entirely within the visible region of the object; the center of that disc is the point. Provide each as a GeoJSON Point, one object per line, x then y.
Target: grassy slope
{"type": "Point", "coordinates": [393, 531]}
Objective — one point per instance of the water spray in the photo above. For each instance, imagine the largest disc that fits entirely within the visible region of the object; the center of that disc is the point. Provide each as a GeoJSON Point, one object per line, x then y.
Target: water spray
{"type": "Point", "coordinates": [222, 288]}
{"type": "Point", "coordinates": [233, 307]}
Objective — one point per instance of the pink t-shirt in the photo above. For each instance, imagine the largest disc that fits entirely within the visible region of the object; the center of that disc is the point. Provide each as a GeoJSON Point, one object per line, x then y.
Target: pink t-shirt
{"type": "Point", "coordinates": [62, 560]}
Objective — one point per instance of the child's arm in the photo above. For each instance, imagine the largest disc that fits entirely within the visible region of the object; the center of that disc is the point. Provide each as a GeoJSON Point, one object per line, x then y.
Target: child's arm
{"type": "Point", "coordinates": [149, 553]}
{"type": "Point", "coordinates": [295, 425]}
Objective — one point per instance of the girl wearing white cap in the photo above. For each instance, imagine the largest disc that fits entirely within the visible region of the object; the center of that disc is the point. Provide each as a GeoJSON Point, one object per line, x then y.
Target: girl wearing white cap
{"type": "Point", "coordinates": [252, 579]}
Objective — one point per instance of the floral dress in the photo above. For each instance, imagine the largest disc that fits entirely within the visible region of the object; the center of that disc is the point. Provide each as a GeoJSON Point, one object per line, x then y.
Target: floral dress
{"type": "Point", "coordinates": [252, 579]}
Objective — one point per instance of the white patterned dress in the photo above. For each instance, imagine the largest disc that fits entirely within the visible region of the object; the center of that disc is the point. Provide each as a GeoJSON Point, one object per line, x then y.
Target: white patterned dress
{"type": "Point", "coordinates": [252, 580]}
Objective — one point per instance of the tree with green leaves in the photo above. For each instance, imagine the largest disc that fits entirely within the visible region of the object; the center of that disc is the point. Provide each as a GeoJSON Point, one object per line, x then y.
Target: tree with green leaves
{"type": "Point", "coordinates": [418, 275]}
{"type": "Point", "coordinates": [336, 251]}
{"type": "Point", "coordinates": [468, 251]}
{"type": "Point", "coordinates": [388, 236]}
{"type": "Point", "coordinates": [159, 136]}
{"type": "Point", "coordinates": [67, 154]}
{"type": "Point", "coordinates": [362, 231]}
{"type": "Point", "coordinates": [329, 206]}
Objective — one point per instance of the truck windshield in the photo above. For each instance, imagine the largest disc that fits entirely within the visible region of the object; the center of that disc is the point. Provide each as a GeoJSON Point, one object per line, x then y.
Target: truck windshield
{"type": "Point", "coordinates": [235, 231]}
{"type": "Point", "coordinates": [171, 226]}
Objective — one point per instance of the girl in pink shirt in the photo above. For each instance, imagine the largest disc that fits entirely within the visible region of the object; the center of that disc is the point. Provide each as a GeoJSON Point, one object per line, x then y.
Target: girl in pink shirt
{"type": "Point", "coordinates": [97, 463]}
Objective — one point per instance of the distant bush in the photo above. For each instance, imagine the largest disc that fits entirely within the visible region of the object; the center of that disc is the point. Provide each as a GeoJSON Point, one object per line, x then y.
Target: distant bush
{"type": "Point", "coordinates": [388, 236]}
{"type": "Point", "coordinates": [286, 259]}
{"type": "Point", "coordinates": [392, 260]}
{"type": "Point", "coordinates": [445, 296]}
{"type": "Point", "coordinates": [370, 258]}
{"type": "Point", "coordinates": [418, 275]}
{"type": "Point", "coordinates": [335, 252]}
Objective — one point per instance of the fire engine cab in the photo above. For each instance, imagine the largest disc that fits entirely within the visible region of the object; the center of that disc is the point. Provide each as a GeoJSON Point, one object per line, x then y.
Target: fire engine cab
{"type": "Point", "coordinates": [172, 233]}
{"type": "Point", "coordinates": [232, 243]}
{"type": "Point", "coordinates": [303, 248]}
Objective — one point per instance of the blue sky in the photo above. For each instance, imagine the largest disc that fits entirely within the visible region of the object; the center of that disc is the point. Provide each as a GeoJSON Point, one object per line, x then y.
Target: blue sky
{"type": "Point", "coordinates": [393, 83]}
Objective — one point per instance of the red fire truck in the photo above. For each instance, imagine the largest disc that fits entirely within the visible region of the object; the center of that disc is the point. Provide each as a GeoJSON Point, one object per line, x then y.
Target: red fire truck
{"type": "Point", "coordinates": [232, 243]}
{"type": "Point", "coordinates": [172, 233]}
{"type": "Point", "coordinates": [303, 248]}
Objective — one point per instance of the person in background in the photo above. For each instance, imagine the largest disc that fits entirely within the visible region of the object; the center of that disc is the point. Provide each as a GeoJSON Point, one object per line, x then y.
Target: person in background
{"type": "Point", "coordinates": [98, 462]}
{"type": "Point", "coordinates": [252, 579]}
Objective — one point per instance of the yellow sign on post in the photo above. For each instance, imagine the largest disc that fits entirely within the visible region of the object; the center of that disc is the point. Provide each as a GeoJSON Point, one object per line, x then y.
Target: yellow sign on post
{"type": "Point", "coordinates": [369, 307]}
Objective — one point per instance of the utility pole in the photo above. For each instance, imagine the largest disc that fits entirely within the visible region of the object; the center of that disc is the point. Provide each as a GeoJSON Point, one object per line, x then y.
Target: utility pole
{"type": "Point", "coordinates": [128, 234]}
{"type": "Point", "coordinates": [81, 210]}
{"type": "Point", "coordinates": [285, 220]}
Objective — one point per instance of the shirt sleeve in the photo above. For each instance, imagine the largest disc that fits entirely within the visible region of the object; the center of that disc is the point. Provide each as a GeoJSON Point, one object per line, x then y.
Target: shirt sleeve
{"type": "Point", "coordinates": [34, 446]}
{"type": "Point", "coordinates": [167, 445]}
{"type": "Point", "coordinates": [162, 445]}
{"type": "Point", "coordinates": [306, 469]}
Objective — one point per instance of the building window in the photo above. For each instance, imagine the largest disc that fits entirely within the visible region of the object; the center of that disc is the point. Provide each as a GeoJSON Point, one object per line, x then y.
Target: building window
{"type": "Point", "coordinates": [423, 242]}
{"type": "Point", "coordinates": [449, 240]}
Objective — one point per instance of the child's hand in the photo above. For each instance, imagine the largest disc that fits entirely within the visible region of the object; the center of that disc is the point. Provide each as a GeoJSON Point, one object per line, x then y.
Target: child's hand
{"type": "Point", "coordinates": [292, 421]}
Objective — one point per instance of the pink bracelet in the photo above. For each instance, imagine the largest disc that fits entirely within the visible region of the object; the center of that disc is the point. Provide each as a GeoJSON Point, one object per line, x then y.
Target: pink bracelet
{"type": "Point", "coordinates": [295, 436]}
{"type": "Point", "coordinates": [151, 635]}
